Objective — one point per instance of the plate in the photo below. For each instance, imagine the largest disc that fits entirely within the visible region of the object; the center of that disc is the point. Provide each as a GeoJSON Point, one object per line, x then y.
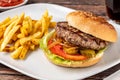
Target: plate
{"type": "Point", "coordinates": [10, 7]}
{"type": "Point", "coordinates": [37, 66]}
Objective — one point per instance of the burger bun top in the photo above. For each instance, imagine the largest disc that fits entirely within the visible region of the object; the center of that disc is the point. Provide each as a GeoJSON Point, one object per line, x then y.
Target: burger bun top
{"type": "Point", "coordinates": [93, 25]}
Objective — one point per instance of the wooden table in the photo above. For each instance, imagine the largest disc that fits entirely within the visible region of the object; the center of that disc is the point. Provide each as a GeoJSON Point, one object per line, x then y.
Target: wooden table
{"type": "Point", "coordinates": [95, 6]}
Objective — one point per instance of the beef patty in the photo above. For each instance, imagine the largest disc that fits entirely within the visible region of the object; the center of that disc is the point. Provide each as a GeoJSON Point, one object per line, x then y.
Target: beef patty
{"type": "Point", "coordinates": [78, 38]}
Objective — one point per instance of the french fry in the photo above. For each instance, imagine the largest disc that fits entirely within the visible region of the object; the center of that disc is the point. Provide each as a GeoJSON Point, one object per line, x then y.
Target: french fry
{"type": "Point", "coordinates": [35, 41]}
{"type": "Point", "coordinates": [5, 21]}
{"type": "Point", "coordinates": [14, 38]}
{"type": "Point", "coordinates": [16, 53]}
{"type": "Point", "coordinates": [25, 27]}
{"type": "Point", "coordinates": [23, 52]}
{"type": "Point", "coordinates": [26, 39]}
{"type": "Point", "coordinates": [46, 22]}
{"type": "Point", "coordinates": [17, 44]}
{"type": "Point", "coordinates": [1, 40]}
{"type": "Point", "coordinates": [2, 28]}
{"type": "Point", "coordinates": [10, 42]}
{"type": "Point", "coordinates": [12, 20]}
{"type": "Point", "coordinates": [21, 34]}
{"type": "Point", "coordinates": [30, 24]}
{"type": "Point", "coordinates": [43, 27]}
{"type": "Point", "coordinates": [25, 23]}
{"type": "Point", "coordinates": [45, 13]}
{"type": "Point", "coordinates": [32, 47]}
{"type": "Point", "coordinates": [9, 36]}
{"type": "Point", "coordinates": [37, 26]}
{"type": "Point", "coordinates": [36, 35]}
{"type": "Point", "coordinates": [9, 28]}
{"type": "Point", "coordinates": [1, 34]}
{"type": "Point", "coordinates": [9, 48]}
{"type": "Point", "coordinates": [34, 22]}
{"type": "Point", "coordinates": [9, 25]}
{"type": "Point", "coordinates": [18, 21]}
{"type": "Point", "coordinates": [24, 31]}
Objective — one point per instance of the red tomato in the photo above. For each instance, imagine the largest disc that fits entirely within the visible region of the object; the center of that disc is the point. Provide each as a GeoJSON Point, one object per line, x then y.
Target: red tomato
{"type": "Point", "coordinates": [58, 50]}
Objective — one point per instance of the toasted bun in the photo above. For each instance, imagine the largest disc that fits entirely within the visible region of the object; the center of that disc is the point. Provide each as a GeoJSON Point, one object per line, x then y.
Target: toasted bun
{"type": "Point", "coordinates": [93, 25]}
{"type": "Point", "coordinates": [76, 64]}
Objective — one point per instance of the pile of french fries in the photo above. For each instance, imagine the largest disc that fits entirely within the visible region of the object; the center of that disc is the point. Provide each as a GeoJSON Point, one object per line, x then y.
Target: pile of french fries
{"type": "Point", "coordinates": [21, 34]}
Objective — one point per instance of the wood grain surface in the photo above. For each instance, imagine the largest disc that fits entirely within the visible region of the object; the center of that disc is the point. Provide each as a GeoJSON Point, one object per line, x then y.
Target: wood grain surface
{"type": "Point", "coordinates": [95, 6]}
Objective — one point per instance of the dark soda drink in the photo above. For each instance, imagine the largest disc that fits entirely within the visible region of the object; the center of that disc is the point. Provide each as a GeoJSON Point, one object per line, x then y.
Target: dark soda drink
{"type": "Point", "coordinates": [113, 9]}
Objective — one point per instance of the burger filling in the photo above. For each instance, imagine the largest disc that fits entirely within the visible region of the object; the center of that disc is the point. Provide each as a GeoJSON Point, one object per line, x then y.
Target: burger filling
{"type": "Point", "coordinates": [71, 44]}
{"type": "Point", "coordinates": [46, 45]}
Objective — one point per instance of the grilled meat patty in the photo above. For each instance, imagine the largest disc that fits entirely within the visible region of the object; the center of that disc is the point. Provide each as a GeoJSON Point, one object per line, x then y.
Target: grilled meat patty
{"type": "Point", "coordinates": [78, 38]}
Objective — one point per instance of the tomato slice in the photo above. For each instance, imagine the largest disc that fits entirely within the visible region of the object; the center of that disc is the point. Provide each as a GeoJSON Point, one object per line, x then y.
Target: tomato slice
{"type": "Point", "coordinates": [58, 50]}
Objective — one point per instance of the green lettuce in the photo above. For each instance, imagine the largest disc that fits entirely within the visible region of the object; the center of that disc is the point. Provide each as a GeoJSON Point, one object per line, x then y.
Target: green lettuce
{"type": "Point", "coordinates": [53, 57]}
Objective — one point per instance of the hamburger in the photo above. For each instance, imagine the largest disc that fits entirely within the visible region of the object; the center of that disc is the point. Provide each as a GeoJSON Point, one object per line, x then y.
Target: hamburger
{"type": "Point", "coordinates": [80, 41]}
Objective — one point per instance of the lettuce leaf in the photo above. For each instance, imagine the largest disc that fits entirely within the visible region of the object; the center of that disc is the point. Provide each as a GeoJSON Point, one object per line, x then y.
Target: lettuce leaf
{"type": "Point", "coordinates": [44, 40]}
{"type": "Point", "coordinates": [55, 58]}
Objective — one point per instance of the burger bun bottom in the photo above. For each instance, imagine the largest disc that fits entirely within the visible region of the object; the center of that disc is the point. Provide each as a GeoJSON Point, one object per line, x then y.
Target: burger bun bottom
{"type": "Point", "coordinates": [75, 64]}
